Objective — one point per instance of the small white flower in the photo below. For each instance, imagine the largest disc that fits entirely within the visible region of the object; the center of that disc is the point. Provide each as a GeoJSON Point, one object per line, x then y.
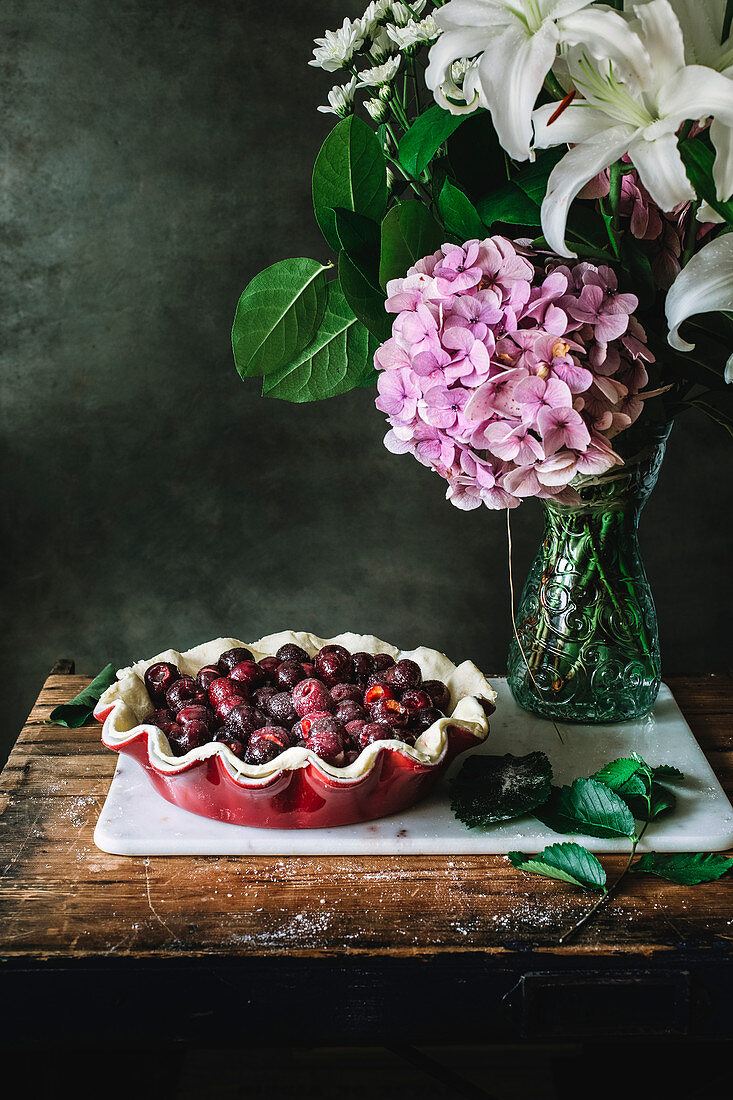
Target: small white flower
{"type": "Point", "coordinates": [413, 34]}
{"type": "Point", "coordinates": [375, 14]}
{"type": "Point", "coordinates": [336, 48]}
{"type": "Point", "coordinates": [377, 109]}
{"type": "Point", "coordinates": [340, 99]}
{"type": "Point", "coordinates": [380, 74]}
{"type": "Point", "coordinates": [402, 15]}
{"type": "Point", "coordinates": [382, 46]}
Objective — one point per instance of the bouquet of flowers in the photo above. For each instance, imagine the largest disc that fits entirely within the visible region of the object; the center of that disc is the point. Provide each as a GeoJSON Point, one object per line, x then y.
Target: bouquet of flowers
{"type": "Point", "coordinates": [527, 199]}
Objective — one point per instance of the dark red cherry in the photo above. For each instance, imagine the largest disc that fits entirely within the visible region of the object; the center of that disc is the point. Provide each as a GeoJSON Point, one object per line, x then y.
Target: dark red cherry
{"type": "Point", "coordinates": [225, 695]}
{"type": "Point", "coordinates": [405, 674]}
{"type": "Point", "coordinates": [438, 693]}
{"type": "Point", "coordinates": [206, 676]}
{"type": "Point", "coordinates": [348, 711]}
{"type": "Point", "coordinates": [195, 712]}
{"type": "Point", "coordinates": [390, 710]}
{"type": "Point", "coordinates": [382, 661]}
{"type": "Point", "coordinates": [233, 657]}
{"type": "Point", "coordinates": [421, 719]}
{"type": "Point", "coordinates": [262, 694]}
{"type": "Point", "coordinates": [326, 740]}
{"type": "Point", "coordinates": [375, 731]}
{"type": "Point", "coordinates": [415, 699]}
{"type": "Point", "coordinates": [249, 673]}
{"type": "Point", "coordinates": [307, 721]}
{"type": "Point", "coordinates": [158, 678]}
{"type": "Point", "coordinates": [288, 675]}
{"type": "Point", "coordinates": [243, 720]}
{"type": "Point", "coordinates": [160, 718]}
{"type": "Point", "coordinates": [193, 736]}
{"type": "Point", "coordinates": [280, 707]}
{"type": "Point", "coordinates": [363, 664]}
{"type": "Point", "coordinates": [292, 654]}
{"type": "Point", "coordinates": [341, 692]}
{"type": "Point", "coordinates": [310, 695]}
{"type": "Point", "coordinates": [333, 665]}
{"type": "Point", "coordinates": [377, 691]}
{"type": "Point", "coordinates": [270, 666]}
{"type": "Point", "coordinates": [238, 747]}
{"type": "Point", "coordinates": [267, 743]}
{"type": "Point", "coordinates": [183, 693]}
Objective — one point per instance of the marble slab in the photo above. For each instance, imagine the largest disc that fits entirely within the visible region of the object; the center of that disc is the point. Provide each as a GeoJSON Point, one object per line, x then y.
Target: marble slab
{"type": "Point", "coordinates": [136, 821]}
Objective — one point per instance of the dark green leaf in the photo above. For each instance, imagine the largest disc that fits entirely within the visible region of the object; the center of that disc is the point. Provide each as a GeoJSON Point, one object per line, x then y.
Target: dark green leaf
{"type": "Point", "coordinates": [499, 788]}
{"type": "Point", "coordinates": [567, 862]}
{"type": "Point", "coordinates": [698, 159]}
{"type": "Point", "coordinates": [366, 298]}
{"type": "Point", "coordinates": [360, 238]}
{"type": "Point", "coordinates": [79, 710]}
{"type": "Point", "coordinates": [277, 315]}
{"type": "Point", "coordinates": [350, 172]}
{"type": "Point", "coordinates": [533, 177]}
{"type": "Point", "coordinates": [339, 358]}
{"type": "Point", "coordinates": [588, 808]}
{"type": "Point", "coordinates": [685, 868]}
{"type": "Point", "coordinates": [477, 161]}
{"type": "Point", "coordinates": [618, 772]}
{"type": "Point", "coordinates": [660, 800]}
{"type": "Point", "coordinates": [510, 205]}
{"type": "Point", "coordinates": [426, 135]}
{"type": "Point", "coordinates": [668, 771]}
{"type": "Point", "coordinates": [409, 232]}
{"type": "Point", "coordinates": [459, 215]}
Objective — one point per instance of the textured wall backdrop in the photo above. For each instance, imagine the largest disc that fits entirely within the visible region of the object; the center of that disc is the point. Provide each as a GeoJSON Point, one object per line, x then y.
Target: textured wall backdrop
{"type": "Point", "coordinates": [158, 154]}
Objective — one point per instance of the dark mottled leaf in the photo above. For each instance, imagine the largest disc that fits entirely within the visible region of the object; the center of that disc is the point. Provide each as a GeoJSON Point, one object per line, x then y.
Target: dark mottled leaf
{"type": "Point", "coordinates": [78, 710]}
{"type": "Point", "coordinates": [685, 868]}
{"type": "Point", "coordinates": [588, 808]}
{"type": "Point", "coordinates": [499, 788]}
{"type": "Point", "coordinates": [567, 862]}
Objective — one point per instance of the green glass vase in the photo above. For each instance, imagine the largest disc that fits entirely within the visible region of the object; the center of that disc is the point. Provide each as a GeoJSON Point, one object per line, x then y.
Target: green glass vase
{"type": "Point", "coordinates": [588, 644]}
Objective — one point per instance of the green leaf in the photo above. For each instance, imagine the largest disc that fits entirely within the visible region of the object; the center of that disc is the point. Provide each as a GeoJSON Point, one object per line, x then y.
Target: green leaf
{"type": "Point", "coordinates": [421, 142]}
{"type": "Point", "coordinates": [339, 358]}
{"type": "Point", "coordinates": [459, 215]}
{"type": "Point", "coordinates": [684, 868]}
{"type": "Point", "coordinates": [360, 238]}
{"type": "Point", "coordinates": [499, 788]}
{"type": "Point", "coordinates": [510, 205]}
{"type": "Point", "coordinates": [532, 177]}
{"type": "Point", "coordinates": [350, 172]}
{"type": "Point", "coordinates": [668, 771]}
{"type": "Point", "coordinates": [660, 801]}
{"type": "Point", "coordinates": [567, 862]}
{"type": "Point", "coordinates": [365, 298]}
{"type": "Point", "coordinates": [409, 232]}
{"type": "Point", "coordinates": [618, 772]}
{"type": "Point", "coordinates": [78, 710]}
{"type": "Point", "coordinates": [698, 159]}
{"type": "Point", "coordinates": [277, 315]}
{"type": "Point", "coordinates": [588, 808]}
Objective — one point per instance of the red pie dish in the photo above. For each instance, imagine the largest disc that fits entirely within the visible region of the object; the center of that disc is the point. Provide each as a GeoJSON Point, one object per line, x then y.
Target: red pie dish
{"type": "Point", "coordinates": [295, 731]}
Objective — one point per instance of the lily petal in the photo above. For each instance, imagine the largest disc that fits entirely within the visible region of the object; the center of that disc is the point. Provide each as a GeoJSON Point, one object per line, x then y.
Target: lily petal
{"type": "Point", "coordinates": [578, 122]}
{"type": "Point", "coordinates": [569, 175]}
{"type": "Point", "coordinates": [693, 92]}
{"type": "Point", "coordinates": [606, 35]}
{"type": "Point", "coordinates": [704, 285]}
{"type": "Point", "coordinates": [661, 170]}
{"type": "Point", "coordinates": [722, 139]}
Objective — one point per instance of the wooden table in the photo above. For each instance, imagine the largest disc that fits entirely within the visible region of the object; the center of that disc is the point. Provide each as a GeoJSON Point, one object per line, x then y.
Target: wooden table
{"type": "Point", "coordinates": [453, 949]}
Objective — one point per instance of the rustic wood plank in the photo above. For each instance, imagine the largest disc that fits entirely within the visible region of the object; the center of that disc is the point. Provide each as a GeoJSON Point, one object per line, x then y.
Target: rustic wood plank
{"type": "Point", "coordinates": [60, 897]}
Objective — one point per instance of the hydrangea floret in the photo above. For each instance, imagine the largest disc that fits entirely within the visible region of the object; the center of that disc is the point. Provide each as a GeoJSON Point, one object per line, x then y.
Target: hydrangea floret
{"type": "Point", "coordinates": [508, 375]}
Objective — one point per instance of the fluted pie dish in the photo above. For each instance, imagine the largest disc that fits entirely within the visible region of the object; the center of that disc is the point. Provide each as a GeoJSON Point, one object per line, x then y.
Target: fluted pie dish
{"type": "Point", "coordinates": [349, 728]}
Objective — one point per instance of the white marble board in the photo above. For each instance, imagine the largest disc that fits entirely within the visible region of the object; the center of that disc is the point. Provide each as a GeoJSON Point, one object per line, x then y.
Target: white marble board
{"type": "Point", "coordinates": [137, 821]}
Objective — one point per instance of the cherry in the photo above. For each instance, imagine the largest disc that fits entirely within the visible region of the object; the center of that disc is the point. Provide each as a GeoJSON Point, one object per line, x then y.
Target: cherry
{"type": "Point", "coordinates": [438, 692]}
{"type": "Point", "coordinates": [307, 720]}
{"type": "Point", "coordinates": [382, 661]}
{"type": "Point", "coordinates": [355, 727]}
{"type": "Point", "coordinates": [238, 747]}
{"type": "Point", "coordinates": [309, 669]}
{"type": "Point", "coordinates": [195, 712]}
{"type": "Point", "coordinates": [243, 720]}
{"type": "Point", "coordinates": [349, 711]}
{"type": "Point", "coordinates": [288, 674]}
{"type": "Point", "coordinates": [421, 719]}
{"type": "Point", "coordinates": [333, 665]}
{"type": "Point", "coordinates": [326, 740]}
{"type": "Point", "coordinates": [415, 699]}
{"type": "Point", "coordinates": [390, 710]}
{"type": "Point", "coordinates": [193, 736]}
{"type": "Point", "coordinates": [310, 695]}
{"type": "Point", "coordinates": [376, 692]}
{"type": "Point", "coordinates": [292, 654]}
{"type": "Point", "coordinates": [267, 743]}
{"type": "Point", "coordinates": [160, 718]}
{"type": "Point", "coordinates": [206, 676]}
{"type": "Point", "coordinates": [232, 657]}
{"type": "Point", "coordinates": [264, 693]}
{"type": "Point", "coordinates": [270, 665]}
{"type": "Point", "coordinates": [375, 731]}
{"type": "Point", "coordinates": [405, 674]}
{"type": "Point", "coordinates": [280, 707]}
{"type": "Point", "coordinates": [340, 693]}
{"type": "Point", "coordinates": [183, 692]}
{"type": "Point", "coordinates": [158, 678]}
{"type": "Point", "coordinates": [249, 673]}
{"type": "Point", "coordinates": [363, 665]}
{"type": "Point", "coordinates": [225, 695]}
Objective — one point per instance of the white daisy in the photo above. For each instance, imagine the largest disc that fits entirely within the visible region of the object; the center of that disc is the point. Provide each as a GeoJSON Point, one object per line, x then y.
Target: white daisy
{"type": "Point", "coordinates": [336, 48]}
{"type": "Point", "coordinates": [402, 15]}
{"type": "Point", "coordinates": [413, 34]}
{"type": "Point", "coordinates": [340, 99]}
{"type": "Point", "coordinates": [377, 109]}
{"type": "Point", "coordinates": [380, 74]}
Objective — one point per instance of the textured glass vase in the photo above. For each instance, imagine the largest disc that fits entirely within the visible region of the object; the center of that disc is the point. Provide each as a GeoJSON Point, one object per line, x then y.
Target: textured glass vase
{"type": "Point", "coordinates": [586, 620]}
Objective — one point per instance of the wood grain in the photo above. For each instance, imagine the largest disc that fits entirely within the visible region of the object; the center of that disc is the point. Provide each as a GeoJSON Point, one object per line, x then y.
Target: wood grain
{"type": "Point", "coordinates": [61, 898]}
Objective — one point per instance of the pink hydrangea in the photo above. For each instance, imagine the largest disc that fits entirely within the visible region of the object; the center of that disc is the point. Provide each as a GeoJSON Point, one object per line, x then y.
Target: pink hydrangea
{"type": "Point", "coordinates": [507, 375]}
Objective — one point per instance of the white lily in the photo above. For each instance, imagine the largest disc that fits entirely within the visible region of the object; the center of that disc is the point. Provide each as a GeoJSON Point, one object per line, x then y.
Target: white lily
{"type": "Point", "coordinates": [704, 285]}
{"type": "Point", "coordinates": [633, 103]}
{"type": "Point", "coordinates": [515, 43]}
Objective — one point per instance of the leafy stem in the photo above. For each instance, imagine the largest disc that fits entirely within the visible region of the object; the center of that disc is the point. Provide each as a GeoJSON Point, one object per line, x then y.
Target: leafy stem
{"type": "Point", "coordinates": [608, 893]}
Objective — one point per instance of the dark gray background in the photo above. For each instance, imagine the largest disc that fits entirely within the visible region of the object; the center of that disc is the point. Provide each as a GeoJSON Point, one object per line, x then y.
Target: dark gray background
{"type": "Point", "coordinates": [157, 156]}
